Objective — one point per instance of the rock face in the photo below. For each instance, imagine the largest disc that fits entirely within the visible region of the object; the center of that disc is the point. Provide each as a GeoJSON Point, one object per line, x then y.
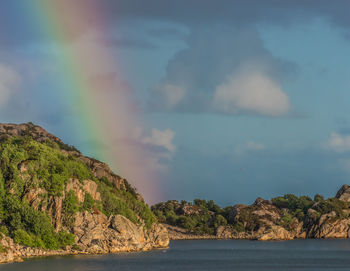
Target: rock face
{"type": "Point", "coordinates": [260, 222]}
{"type": "Point", "coordinates": [98, 234]}
{"type": "Point", "coordinates": [344, 193]}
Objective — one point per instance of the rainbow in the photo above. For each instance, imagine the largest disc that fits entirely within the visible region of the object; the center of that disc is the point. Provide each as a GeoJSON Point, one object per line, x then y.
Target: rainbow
{"type": "Point", "coordinates": [87, 69]}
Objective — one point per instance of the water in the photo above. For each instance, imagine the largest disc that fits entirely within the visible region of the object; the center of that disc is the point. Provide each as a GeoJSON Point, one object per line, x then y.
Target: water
{"type": "Point", "coordinates": [215, 255]}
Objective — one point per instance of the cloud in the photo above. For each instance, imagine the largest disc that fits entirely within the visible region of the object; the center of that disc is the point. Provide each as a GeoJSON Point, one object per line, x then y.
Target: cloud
{"type": "Point", "coordinates": [252, 92]}
{"type": "Point", "coordinates": [9, 81]}
{"type": "Point", "coordinates": [230, 74]}
{"type": "Point", "coordinates": [238, 12]}
{"type": "Point", "coordinates": [161, 138]}
{"type": "Point", "coordinates": [339, 143]}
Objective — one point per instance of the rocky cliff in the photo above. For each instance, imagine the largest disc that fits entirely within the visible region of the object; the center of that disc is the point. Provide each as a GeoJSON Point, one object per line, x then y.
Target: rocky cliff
{"type": "Point", "coordinates": [54, 200]}
{"type": "Point", "coordinates": [281, 218]}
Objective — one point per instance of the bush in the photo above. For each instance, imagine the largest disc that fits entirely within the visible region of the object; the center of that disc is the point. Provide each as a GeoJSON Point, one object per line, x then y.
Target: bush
{"type": "Point", "coordinates": [65, 239]}
{"type": "Point", "coordinates": [4, 230]}
{"type": "Point", "coordinates": [70, 207]}
{"type": "Point", "coordinates": [286, 221]}
{"type": "Point", "coordinates": [297, 206]}
{"type": "Point", "coordinates": [88, 202]}
{"type": "Point", "coordinates": [219, 221]}
{"type": "Point", "coordinates": [238, 226]}
{"type": "Point", "coordinates": [332, 204]}
{"type": "Point", "coordinates": [23, 238]}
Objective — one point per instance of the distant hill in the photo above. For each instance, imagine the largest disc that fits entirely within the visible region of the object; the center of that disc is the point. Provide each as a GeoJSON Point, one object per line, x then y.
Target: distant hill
{"type": "Point", "coordinates": [281, 218]}
{"type": "Point", "coordinates": [58, 201]}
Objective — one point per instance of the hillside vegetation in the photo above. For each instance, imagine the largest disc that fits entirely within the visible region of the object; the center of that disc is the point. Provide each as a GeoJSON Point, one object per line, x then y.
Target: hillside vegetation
{"type": "Point", "coordinates": [40, 189]}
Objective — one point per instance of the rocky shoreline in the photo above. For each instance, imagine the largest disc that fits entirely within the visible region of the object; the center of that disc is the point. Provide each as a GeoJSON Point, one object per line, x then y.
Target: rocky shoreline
{"type": "Point", "coordinates": [127, 238]}
{"type": "Point", "coordinates": [19, 253]}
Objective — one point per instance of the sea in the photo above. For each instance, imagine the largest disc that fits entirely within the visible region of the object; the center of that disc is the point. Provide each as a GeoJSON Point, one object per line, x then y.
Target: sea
{"type": "Point", "coordinates": [309, 254]}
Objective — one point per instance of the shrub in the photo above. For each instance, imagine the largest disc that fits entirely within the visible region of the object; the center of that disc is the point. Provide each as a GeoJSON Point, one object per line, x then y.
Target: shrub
{"type": "Point", "coordinates": [70, 207]}
{"type": "Point", "coordinates": [219, 221]}
{"type": "Point", "coordinates": [238, 226]}
{"type": "Point", "coordinates": [65, 239]}
{"type": "Point", "coordinates": [4, 230]}
{"type": "Point", "coordinates": [331, 204]}
{"type": "Point", "coordinates": [23, 238]}
{"type": "Point", "coordinates": [88, 201]}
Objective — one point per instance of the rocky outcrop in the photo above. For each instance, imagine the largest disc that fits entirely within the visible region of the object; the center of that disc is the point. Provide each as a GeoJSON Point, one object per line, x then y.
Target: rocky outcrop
{"type": "Point", "coordinates": [98, 234]}
{"type": "Point", "coordinates": [274, 233]}
{"type": "Point", "coordinates": [80, 188]}
{"type": "Point", "coordinates": [326, 226]}
{"type": "Point", "coordinates": [344, 193]}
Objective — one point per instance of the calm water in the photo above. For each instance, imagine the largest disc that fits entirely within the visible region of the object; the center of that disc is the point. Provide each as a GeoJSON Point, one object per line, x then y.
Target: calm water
{"type": "Point", "coordinates": [209, 255]}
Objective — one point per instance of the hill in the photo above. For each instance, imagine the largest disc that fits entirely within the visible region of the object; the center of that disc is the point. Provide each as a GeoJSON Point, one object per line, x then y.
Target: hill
{"type": "Point", "coordinates": [54, 200]}
{"type": "Point", "coordinates": [281, 218]}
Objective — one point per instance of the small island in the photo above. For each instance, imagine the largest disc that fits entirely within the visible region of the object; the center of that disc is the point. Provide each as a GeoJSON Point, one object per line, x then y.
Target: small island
{"type": "Point", "coordinates": [281, 218]}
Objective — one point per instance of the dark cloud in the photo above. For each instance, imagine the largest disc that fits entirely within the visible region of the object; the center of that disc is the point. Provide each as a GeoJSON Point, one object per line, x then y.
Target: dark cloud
{"type": "Point", "coordinates": [16, 21]}
{"type": "Point", "coordinates": [232, 11]}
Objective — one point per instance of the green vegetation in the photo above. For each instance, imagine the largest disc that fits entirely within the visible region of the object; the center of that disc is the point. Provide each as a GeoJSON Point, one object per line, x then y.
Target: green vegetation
{"type": "Point", "coordinates": [70, 208]}
{"type": "Point", "coordinates": [88, 202]}
{"type": "Point", "coordinates": [332, 205]}
{"type": "Point", "coordinates": [199, 217]}
{"type": "Point", "coordinates": [116, 201]}
{"type": "Point", "coordinates": [41, 162]}
{"type": "Point", "coordinates": [297, 206]}
{"type": "Point", "coordinates": [30, 227]}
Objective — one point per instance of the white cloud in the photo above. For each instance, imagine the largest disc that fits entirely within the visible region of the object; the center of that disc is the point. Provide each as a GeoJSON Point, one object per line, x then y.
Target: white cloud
{"type": "Point", "coordinates": [207, 75]}
{"type": "Point", "coordinates": [9, 80]}
{"type": "Point", "coordinates": [339, 143]}
{"type": "Point", "coordinates": [252, 92]}
{"type": "Point", "coordinates": [161, 138]}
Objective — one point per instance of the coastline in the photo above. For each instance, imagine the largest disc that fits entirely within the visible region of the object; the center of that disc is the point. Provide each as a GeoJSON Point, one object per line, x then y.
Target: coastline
{"type": "Point", "coordinates": [18, 253]}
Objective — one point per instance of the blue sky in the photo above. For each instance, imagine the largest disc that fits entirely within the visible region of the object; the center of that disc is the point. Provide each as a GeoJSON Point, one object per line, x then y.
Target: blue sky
{"type": "Point", "coordinates": [249, 98]}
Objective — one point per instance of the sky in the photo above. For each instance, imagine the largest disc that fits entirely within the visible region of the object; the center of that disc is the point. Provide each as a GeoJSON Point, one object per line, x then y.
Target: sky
{"type": "Point", "coordinates": [226, 100]}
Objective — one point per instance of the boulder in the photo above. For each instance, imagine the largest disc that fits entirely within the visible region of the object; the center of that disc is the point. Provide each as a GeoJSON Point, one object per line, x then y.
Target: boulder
{"type": "Point", "coordinates": [344, 193]}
